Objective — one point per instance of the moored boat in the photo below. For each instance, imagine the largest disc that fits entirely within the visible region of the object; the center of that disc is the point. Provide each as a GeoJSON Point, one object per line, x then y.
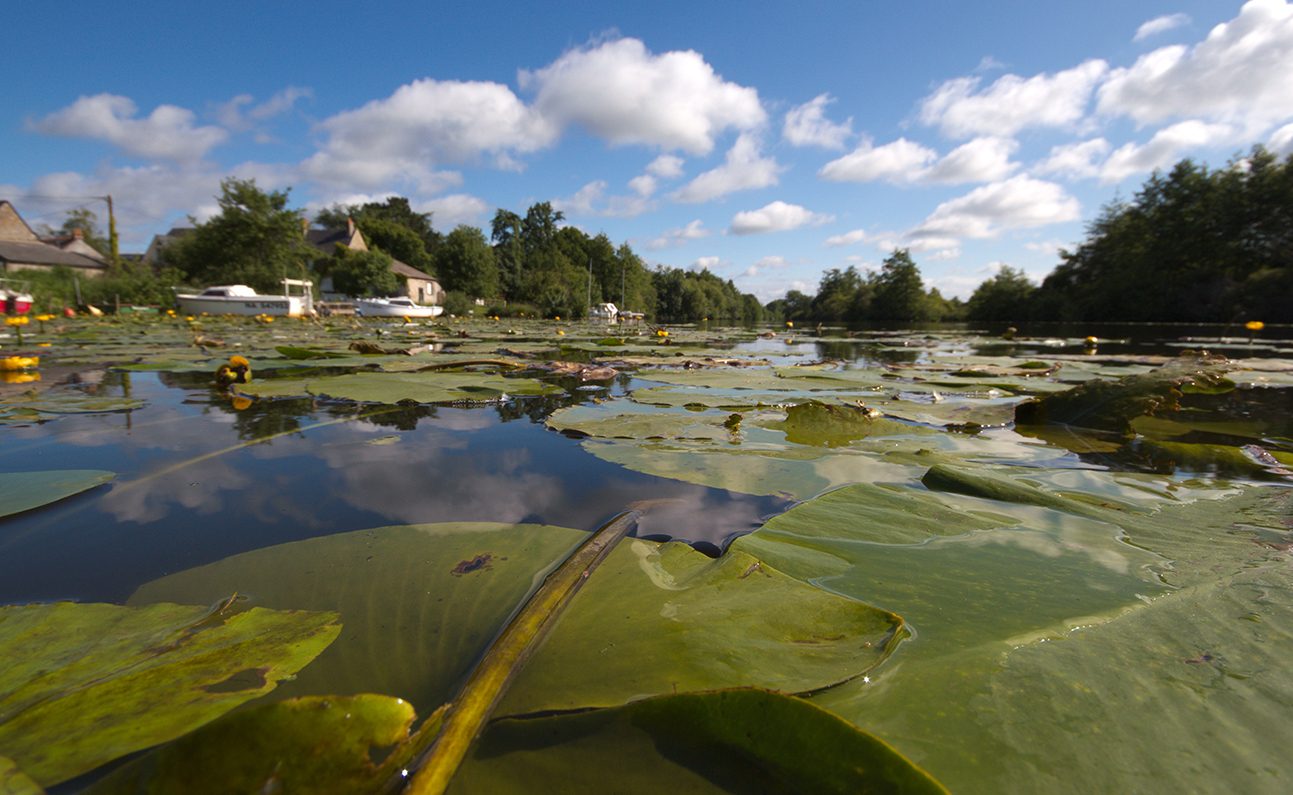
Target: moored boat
{"type": "Point", "coordinates": [239, 299]}
{"type": "Point", "coordinates": [395, 306]}
{"type": "Point", "coordinates": [15, 298]}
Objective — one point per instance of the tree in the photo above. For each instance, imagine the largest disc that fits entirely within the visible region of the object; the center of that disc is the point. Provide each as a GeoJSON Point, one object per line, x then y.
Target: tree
{"type": "Point", "coordinates": [899, 293]}
{"type": "Point", "coordinates": [1005, 296]}
{"type": "Point", "coordinates": [254, 240]}
{"type": "Point", "coordinates": [467, 264]}
{"type": "Point", "coordinates": [360, 273]}
{"type": "Point", "coordinates": [505, 232]}
{"type": "Point", "coordinates": [391, 226]}
{"type": "Point", "coordinates": [88, 223]}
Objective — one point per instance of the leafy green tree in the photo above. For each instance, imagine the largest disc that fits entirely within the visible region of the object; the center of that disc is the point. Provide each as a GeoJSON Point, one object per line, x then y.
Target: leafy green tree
{"type": "Point", "coordinates": [361, 273]}
{"type": "Point", "coordinates": [1005, 296]}
{"type": "Point", "coordinates": [467, 264]}
{"type": "Point", "coordinates": [254, 240]}
{"type": "Point", "coordinates": [85, 220]}
{"type": "Point", "coordinates": [505, 232]}
{"type": "Point", "coordinates": [838, 295]}
{"type": "Point", "coordinates": [391, 226]}
{"type": "Point", "coordinates": [899, 293]}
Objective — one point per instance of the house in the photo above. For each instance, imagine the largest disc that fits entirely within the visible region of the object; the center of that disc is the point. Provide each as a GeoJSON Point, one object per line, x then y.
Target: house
{"type": "Point", "coordinates": [74, 241]}
{"type": "Point", "coordinates": [153, 255]}
{"type": "Point", "coordinates": [420, 286]}
{"type": "Point", "coordinates": [21, 249]}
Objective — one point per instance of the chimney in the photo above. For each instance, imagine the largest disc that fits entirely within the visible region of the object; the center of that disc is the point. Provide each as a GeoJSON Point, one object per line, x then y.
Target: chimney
{"type": "Point", "coordinates": [350, 226]}
{"type": "Point", "coordinates": [78, 233]}
{"type": "Point", "coordinates": [305, 227]}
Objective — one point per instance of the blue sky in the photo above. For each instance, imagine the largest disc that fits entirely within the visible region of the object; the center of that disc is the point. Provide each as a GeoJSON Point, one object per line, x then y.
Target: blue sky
{"type": "Point", "coordinates": [764, 141]}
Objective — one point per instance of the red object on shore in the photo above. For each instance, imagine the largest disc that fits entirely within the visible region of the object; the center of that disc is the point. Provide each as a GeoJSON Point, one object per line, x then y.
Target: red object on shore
{"type": "Point", "coordinates": [69, 312]}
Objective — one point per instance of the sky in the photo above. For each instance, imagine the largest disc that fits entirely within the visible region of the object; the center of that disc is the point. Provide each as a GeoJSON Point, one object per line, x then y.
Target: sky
{"type": "Point", "coordinates": [764, 141]}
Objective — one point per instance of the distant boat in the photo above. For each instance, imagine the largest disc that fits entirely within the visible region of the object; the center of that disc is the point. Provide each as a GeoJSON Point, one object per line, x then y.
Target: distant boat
{"type": "Point", "coordinates": [602, 312]}
{"type": "Point", "coordinates": [15, 297]}
{"type": "Point", "coordinates": [239, 299]}
{"type": "Point", "coordinates": [395, 306]}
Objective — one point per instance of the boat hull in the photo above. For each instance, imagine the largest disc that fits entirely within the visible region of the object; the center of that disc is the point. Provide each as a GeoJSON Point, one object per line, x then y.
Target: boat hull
{"type": "Point", "coordinates": [273, 305]}
{"type": "Point", "coordinates": [375, 309]}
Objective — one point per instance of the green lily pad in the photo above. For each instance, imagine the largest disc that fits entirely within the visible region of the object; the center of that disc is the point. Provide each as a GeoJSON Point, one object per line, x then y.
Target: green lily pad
{"type": "Point", "coordinates": [726, 741]}
{"type": "Point", "coordinates": [424, 387]}
{"type": "Point", "coordinates": [607, 422]}
{"type": "Point", "coordinates": [827, 425]}
{"type": "Point", "coordinates": [324, 744]}
{"type": "Point", "coordinates": [658, 618]}
{"type": "Point", "coordinates": [23, 491]}
{"type": "Point", "coordinates": [15, 782]}
{"type": "Point", "coordinates": [419, 602]}
{"type": "Point", "coordinates": [86, 683]}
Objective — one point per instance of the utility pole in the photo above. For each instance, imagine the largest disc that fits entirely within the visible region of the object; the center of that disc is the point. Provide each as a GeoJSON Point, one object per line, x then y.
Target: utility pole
{"type": "Point", "coordinates": [112, 232]}
{"type": "Point", "coordinates": [589, 304]}
{"type": "Point", "coordinates": [622, 306]}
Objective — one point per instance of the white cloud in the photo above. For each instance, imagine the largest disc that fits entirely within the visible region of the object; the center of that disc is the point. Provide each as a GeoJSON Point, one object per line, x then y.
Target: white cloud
{"type": "Point", "coordinates": [1281, 141]}
{"type": "Point", "coordinates": [904, 162]}
{"type": "Point", "coordinates": [706, 263]}
{"type": "Point", "coordinates": [583, 200]}
{"type": "Point", "coordinates": [1012, 103]}
{"type": "Point", "coordinates": [895, 162]}
{"type": "Point", "coordinates": [846, 239]}
{"type": "Point", "coordinates": [1159, 25]}
{"type": "Point", "coordinates": [1238, 74]}
{"type": "Point", "coordinates": [422, 124]}
{"type": "Point", "coordinates": [1163, 149]}
{"type": "Point", "coordinates": [665, 167]}
{"type": "Point", "coordinates": [623, 93]}
{"type": "Point", "coordinates": [454, 209]}
{"type": "Point", "coordinates": [232, 115]}
{"type": "Point", "coordinates": [165, 134]}
{"type": "Point", "coordinates": [1077, 160]}
{"type": "Point", "coordinates": [980, 160]}
{"type": "Point", "coordinates": [695, 230]}
{"type": "Point", "coordinates": [807, 125]}
{"type": "Point", "coordinates": [591, 200]}
{"type": "Point", "coordinates": [643, 185]}
{"type": "Point", "coordinates": [770, 262]}
{"type": "Point", "coordinates": [775, 217]}
{"type": "Point", "coordinates": [1017, 203]}
{"type": "Point", "coordinates": [1050, 248]}
{"type": "Point", "coordinates": [744, 168]}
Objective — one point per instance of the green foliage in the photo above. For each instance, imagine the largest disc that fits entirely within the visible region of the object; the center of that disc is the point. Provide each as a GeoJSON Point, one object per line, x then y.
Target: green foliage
{"type": "Point", "coordinates": [254, 240]}
{"type": "Point", "coordinates": [88, 222]}
{"type": "Point", "coordinates": [683, 296]}
{"type": "Point", "coordinates": [391, 226]}
{"type": "Point", "coordinates": [1005, 296]}
{"type": "Point", "coordinates": [360, 273]}
{"type": "Point", "coordinates": [467, 264]}
{"type": "Point", "coordinates": [1192, 245]}
{"type": "Point", "coordinates": [899, 293]}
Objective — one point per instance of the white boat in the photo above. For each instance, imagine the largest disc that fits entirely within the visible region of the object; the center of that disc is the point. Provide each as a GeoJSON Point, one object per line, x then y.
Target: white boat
{"type": "Point", "coordinates": [395, 306]}
{"type": "Point", "coordinates": [239, 299]}
{"type": "Point", "coordinates": [602, 312]}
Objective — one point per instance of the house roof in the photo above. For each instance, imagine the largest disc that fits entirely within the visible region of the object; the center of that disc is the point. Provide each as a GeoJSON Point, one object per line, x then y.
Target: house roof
{"type": "Point", "coordinates": [409, 272]}
{"type": "Point", "coordinates": [325, 239]}
{"type": "Point", "coordinates": [44, 254]}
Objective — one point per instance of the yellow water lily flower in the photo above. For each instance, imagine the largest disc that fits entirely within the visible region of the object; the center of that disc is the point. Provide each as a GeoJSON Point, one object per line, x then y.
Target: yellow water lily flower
{"type": "Point", "coordinates": [18, 377]}
{"type": "Point", "coordinates": [241, 402]}
{"type": "Point", "coordinates": [13, 363]}
{"type": "Point", "coordinates": [237, 371]}
{"type": "Point", "coordinates": [1254, 325]}
{"type": "Point", "coordinates": [17, 320]}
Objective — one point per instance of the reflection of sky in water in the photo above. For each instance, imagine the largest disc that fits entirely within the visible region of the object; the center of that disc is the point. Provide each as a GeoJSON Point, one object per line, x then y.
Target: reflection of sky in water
{"type": "Point", "coordinates": [162, 515]}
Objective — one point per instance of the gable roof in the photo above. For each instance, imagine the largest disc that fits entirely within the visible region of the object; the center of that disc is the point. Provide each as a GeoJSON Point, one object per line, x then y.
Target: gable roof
{"type": "Point", "coordinates": [12, 227]}
{"type": "Point", "coordinates": [43, 254]}
{"type": "Point", "coordinates": [409, 272]}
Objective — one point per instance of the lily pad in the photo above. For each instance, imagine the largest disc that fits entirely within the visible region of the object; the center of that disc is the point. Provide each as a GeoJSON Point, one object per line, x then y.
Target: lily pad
{"type": "Point", "coordinates": [15, 782]}
{"type": "Point", "coordinates": [658, 619]}
{"type": "Point", "coordinates": [418, 387]}
{"type": "Point", "coordinates": [86, 683]}
{"type": "Point", "coordinates": [419, 602]}
{"type": "Point", "coordinates": [23, 491]}
{"type": "Point", "coordinates": [727, 741]}
{"type": "Point", "coordinates": [828, 425]}
{"type": "Point", "coordinates": [322, 744]}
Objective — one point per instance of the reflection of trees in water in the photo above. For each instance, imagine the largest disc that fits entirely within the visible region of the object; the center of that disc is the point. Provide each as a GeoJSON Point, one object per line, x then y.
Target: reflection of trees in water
{"type": "Point", "coordinates": [402, 417]}
{"type": "Point", "coordinates": [266, 417]}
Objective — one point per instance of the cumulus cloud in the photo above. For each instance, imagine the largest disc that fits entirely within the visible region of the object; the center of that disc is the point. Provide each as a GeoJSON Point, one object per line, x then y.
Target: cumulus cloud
{"type": "Point", "coordinates": [1077, 160]}
{"type": "Point", "coordinates": [643, 185]}
{"type": "Point", "coordinates": [591, 199]}
{"type": "Point", "coordinates": [665, 167]}
{"type": "Point", "coordinates": [1163, 148]}
{"type": "Point", "coordinates": [1017, 203]}
{"type": "Point", "coordinates": [770, 262]}
{"type": "Point", "coordinates": [1281, 141]}
{"type": "Point", "coordinates": [1159, 25]}
{"type": "Point", "coordinates": [807, 125]}
{"type": "Point", "coordinates": [240, 113]}
{"type": "Point", "coordinates": [706, 263]}
{"type": "Point", "coordinates": [423, 124]}
{"type": "Point", "coordinates": [456, 208]}
{"type": "Point", "coordinates": [1238, 74]}
{"type": "Point", "coordinates": [694, 230]}
{"type": "Point", "coordinates": [775, 217]}
{"type": "Point", "coordinates": [846, 239]}
{"type": "Point", "coordinates": [620, 91]}
{"type": "Point", "coordinates": [744, 168]}
{"type": "Point", "coordinates": [904, 162]}
{"type": "Point", "coordinates": [894, 162]}
{"type": "Point", "coordinates": [168, 133]}
{"type": "Point", "coordinates": [1012, 103]}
